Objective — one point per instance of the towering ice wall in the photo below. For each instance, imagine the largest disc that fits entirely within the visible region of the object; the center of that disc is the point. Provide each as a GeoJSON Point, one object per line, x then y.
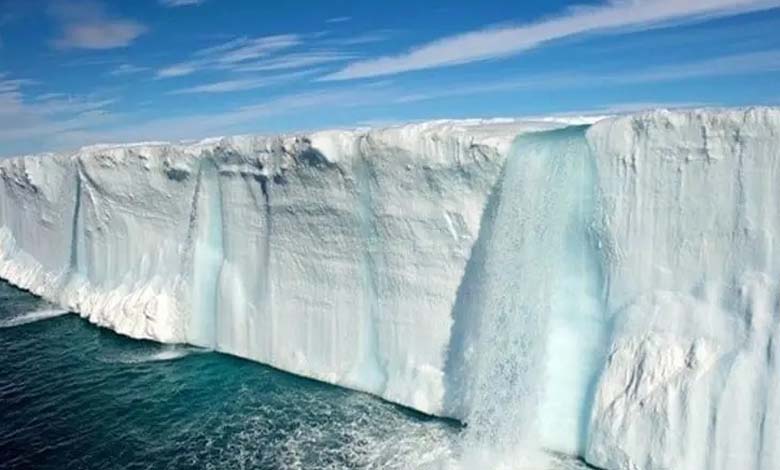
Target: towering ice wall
{"type": "Point", "coordinates": [691, 233]}
{"type": "Point", "coordinates": [609, 290]}
{"type": "Point", "coordinates": [336, 255]}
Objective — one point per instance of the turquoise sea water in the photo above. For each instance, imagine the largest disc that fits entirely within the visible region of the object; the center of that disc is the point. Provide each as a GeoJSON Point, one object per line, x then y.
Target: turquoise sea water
{"type": "Point", "coordinates": [74, 396]}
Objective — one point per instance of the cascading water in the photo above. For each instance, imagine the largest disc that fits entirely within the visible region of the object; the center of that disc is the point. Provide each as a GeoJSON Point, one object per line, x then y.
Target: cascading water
{"type": "Point", "coordinates": [207, 256]}
{"type": "Point", "coordinates": [539, 287]}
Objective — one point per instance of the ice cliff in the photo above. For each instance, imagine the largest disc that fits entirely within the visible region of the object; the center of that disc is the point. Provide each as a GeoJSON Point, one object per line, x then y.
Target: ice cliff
{"type": "Point", "coordinates": [606, 290]}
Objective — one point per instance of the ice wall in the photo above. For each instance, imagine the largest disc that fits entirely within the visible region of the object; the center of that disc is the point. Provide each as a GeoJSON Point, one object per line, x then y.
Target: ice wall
{"type": "Point", "coordinates": [336, 255]}
{"type": "Point", "coordinates": [609, 291]}
{"type": "Point", "coordinates": [691, 227]}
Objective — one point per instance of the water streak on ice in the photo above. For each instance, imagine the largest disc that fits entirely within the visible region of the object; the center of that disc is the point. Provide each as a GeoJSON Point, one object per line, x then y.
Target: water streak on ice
{"type": "Point", "coordinates": [207, 257]}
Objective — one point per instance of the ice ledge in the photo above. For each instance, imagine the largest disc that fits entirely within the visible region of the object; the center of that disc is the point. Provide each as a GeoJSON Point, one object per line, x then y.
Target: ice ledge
{"type": "Point", "coordinates": [497, 133]}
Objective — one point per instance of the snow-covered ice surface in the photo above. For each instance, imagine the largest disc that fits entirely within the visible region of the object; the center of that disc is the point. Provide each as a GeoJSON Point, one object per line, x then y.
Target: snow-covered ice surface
{"type": "Point", "coordinates": [609, 291]}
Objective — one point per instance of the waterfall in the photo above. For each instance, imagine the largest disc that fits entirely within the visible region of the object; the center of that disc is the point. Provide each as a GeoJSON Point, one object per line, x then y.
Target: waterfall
{"type": "Point", "coordinates": [537, 293]}
{"type": "Point", "coordinates": [206, 236]}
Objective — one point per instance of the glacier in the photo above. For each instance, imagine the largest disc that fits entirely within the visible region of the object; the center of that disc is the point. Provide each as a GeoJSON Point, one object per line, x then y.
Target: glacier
{"type": "Point", "coordinates": [606, 288]}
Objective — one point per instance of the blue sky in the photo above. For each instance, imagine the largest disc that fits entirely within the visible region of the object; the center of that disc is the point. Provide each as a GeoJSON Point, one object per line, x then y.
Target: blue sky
{"type": "Point", "coordinates": [77, 72]}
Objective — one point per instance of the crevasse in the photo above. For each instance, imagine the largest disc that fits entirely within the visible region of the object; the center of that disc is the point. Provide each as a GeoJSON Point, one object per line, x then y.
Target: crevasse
{"type": "Point", "coordinates": [608, 291]}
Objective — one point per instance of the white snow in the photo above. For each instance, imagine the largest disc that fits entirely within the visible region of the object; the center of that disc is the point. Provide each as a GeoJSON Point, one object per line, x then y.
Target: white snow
{"type": "Point", "coordinates": [621, 277]}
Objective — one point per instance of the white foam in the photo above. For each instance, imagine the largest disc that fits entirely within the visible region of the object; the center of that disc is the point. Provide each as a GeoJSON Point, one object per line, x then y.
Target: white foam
{"type": "Point", "coordinates": [31, 317]}
{"type": "Point", "coordinates": [169, 353]}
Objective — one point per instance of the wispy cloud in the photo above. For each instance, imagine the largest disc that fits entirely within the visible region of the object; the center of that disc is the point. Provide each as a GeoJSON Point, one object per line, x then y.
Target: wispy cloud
{"type": "Point", "coordinates": [8, 85]}
{"type": "Point", "coordinates": [99, 36]}
{"type": "Point", "coordinates": [279, 52]}
{"type": "Point", "coordinates": [360, 38]}
{"type": "Point", "coordinates": [178, 70]}
{"type": "Point", "coordinates": [50, 96]}
{"type": "Point", "coordinates": [67, 121]}
{"type": "Point", "coordinates": [127, 69]}
{"type": "Point", "coordinates": [49, 105]}
{"type": "Point", "coordinates": [94, 61]}
{"type": "Point", "coordinates": [180, 3]}
{"type": "Point", "coordinates": [52, 117]}
{"type": "Point", "coordinates": [231, 53]}
{"type": "Point", "coordinates": [736, 64]}
{"type": "Point", "coordinates": [296, 60]}
{"type": "Point", "coordinates": [85, 24]}
{"type": "Point", "coordinates": [198, 126]}
{"type": "Point", "coordinates": [338, 19]}
{"type": "Point", "coordinates": [226, 86]}
{"type": "Point", "coordinates": [490, 43]}
{"type": "Point", "coordinates": [259, 47]}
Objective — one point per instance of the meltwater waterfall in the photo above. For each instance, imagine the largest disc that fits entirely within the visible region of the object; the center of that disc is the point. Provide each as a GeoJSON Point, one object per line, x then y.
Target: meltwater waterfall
{"type": "Point", "coordinates": [207, 254]}
{"type": "Point", "coordinates": [538, 308]}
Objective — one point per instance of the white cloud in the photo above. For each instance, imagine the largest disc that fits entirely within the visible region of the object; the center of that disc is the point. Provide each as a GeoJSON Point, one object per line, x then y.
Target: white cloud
{"type": "Point", "coordinates": [222, 87]}
{"type": "Point", "coordinates": [46, 119]}
{"type": "Point", "coordinates": [177, 70]}
{"type": "Point", "coordinates": [736, 64]}
{"type": "Point", "coordinates": [497, 42]}
{"type": "Point", "coordinates": [89, 128]}
{"type": "Point", "coordinates": [223, 47]}
{"type": "Point", "coordinates": [99, 36]}
{"type": "Point", "coordinates": [278, 52]}
{"type": "Point", "coordinates": [89, 61]}
{"type": "Point", "coordinates": [86, 25]}
{"type": "Point", "coordinates": [8, 85]}
{"type": "Point", "coordinates": [361, 38]}
{"type": "Point", "coordinates": [338, 19]}
{"type": "Point", "coordinates": [231, 54]}
{"type": "Point", "coordinates": [248, 118]}
{"type": "Point", "coordinates": [258, 47]}
{"type": "Point", "coordinates": [50, 96]}
{"type": "Point", "coordinates": [199, 126]}
{"type": "Point", "coordinates": [180, 3]}
{"type": "Point", "coordinates": [126, 69]}
{"type": "Point", "coordinates": [226, 86]}
{"type": "Point", "coordinates": [295, 61]}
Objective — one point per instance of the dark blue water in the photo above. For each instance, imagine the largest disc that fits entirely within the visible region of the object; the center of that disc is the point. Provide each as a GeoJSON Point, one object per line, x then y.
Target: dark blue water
{"type": "Point", "coordinates": [76, 396]}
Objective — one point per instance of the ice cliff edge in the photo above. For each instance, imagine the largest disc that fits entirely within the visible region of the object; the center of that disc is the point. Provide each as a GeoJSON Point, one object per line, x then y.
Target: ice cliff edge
{"type": "Point", "coordinates": [391, 261]}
